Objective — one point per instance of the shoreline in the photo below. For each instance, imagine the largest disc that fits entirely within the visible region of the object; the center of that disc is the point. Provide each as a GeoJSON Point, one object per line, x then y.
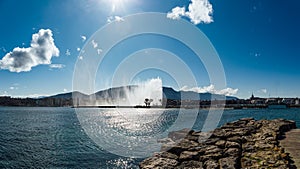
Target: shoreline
{"type": "Point", "coordinates": [155, 107]}
{"type": "Point", "coordinates": [185, 107]}
{"type": "Point", "coordinates": [246, 143]}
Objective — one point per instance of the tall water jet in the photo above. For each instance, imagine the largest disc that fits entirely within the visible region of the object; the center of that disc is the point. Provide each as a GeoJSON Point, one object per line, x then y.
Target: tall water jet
{"type": "Point", "coordinates": [150, 89]}
{"type": "Point", "coordinates": [133, 95]}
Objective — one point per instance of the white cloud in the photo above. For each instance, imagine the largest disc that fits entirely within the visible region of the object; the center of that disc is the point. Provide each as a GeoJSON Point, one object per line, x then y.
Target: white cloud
{"type": "Point", "coordinates": [99, 51]}
{"type": "Point", "coordinates": [264, 90]}
{"type": "Point", "coordinates": [68, 53]}
{"type": "Point", "coordinates": [211, 89]}
{"type": "Point", "coordinates": [205, 89]}
{"type": "Point", "coordinates": [14, 86]}
{"type": "Point", "coordinates": [78, 49]}
{"type": "Point", "coordinates": [114, 18]}
{"type": "Point", "coordinates": [95, 44]}
{"type": "Point", "coordinates": [65, 90]}
{"type": "Point", "coordinates": [176, 13]}
{"type": "Point", "coordinates": [118, 19]}
{"type": "Point", "coordinates": [199, 11]}
{"type": "Point", "coordinates": [41, 51]}
{"type": "Point", "coordinates": [109, 19]}
{"type": "Point", "coordinates": [57, 66]}
{"type": "Point", "coordinates": [257, 54]}
{"type": "Point", "coordinates": [83, 38]}
{"type": "Point", "coordinates": [228, 91]}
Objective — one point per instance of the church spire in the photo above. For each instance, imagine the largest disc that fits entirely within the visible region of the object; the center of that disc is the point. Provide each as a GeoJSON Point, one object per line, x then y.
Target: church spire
{"type": "Point", "coordinates": [252, 96]}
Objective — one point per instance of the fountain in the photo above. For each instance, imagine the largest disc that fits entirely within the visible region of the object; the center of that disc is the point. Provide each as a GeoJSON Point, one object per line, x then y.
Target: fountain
{"type": "Point", "coordinates": [133, 95]}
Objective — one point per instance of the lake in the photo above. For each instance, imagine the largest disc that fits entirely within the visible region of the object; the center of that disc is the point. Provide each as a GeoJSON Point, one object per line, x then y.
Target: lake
{"type": "Point", "coordinates": [63, 137]}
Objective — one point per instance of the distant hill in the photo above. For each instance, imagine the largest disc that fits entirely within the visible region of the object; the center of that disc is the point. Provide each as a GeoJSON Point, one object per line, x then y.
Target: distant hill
{"type": "Point", "coordinates": [168, 93]}
{"type": "Point", "coordinates": [69, 95]}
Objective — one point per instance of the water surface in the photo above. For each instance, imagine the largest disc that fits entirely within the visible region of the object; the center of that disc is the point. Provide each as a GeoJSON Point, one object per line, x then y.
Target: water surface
{"type": "Point", "coordinates": [54, 137]}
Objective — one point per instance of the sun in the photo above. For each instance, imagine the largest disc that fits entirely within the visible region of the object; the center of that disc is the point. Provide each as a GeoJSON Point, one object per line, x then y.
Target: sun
{"type": "Point", "coordinates": [119, 5]}
{"type": "Point", "coordinates": [115, 4]}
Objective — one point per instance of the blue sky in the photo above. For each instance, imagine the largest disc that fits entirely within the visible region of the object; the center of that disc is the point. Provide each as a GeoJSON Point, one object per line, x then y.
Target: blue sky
{"type": "Point", "coordinates": [258, 43]}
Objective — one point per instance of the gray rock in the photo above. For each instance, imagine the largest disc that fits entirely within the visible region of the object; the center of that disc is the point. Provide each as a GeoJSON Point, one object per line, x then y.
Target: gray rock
{"type": "Point", "coordinates": [231, 144]}
{"type": "Point", "coordinates": [181, 134]}
{"type": "Point", "coordinates": [211, 141]}
{"type": "Point", "coordinates": [192, 138]}
{"type": "Point", "coordinates": [157, 162]}
{"type": "Point", "coordinates": [230, 126]}
{"type": "Point", "coordinates": [190, 165]}
{"type": "Point", "coordinates": [206, 148]}
{"type": "Point", "coordinates": [242, 131]}
{"type": "Point", "coordinates": [229, 163]}
{"type": "Point", "coordinates": [262, 145]}
{"type": "Point", "coordinates": [211, 164]}
{"type": "Point", "coordinates": [215, 156]}
{"type": "Point", "coordinates": [234, 152]}
{"type": "Point", "coordinates": [231, 134]}
{"type": "Point", "coordinates": [236, 139]}
{"type": "Point", "coordinates": [213, 150]}
{"type": "Point", "coordinates": [220, 133]}
{"type": "Point", "coordinates": [189, 155]}
{"type": "Point", "coordinates": [165, 140]}
{"type": "Point", "coordinates": [245, 143]}
{"type": "Point", "coordinates": [247, 162]}
{"type": "Point", "coordinates": [220, 143]}
{"type": "Point", "coordinates": [248, 147]}
{"type": "Point", "coordinates": [247, 119]}
{"type": "Point", "coordinates": [183, 145]}
{"type": "Point", "coordinates": [168, 146]}
{"type": "Point", "coordinates": [203, 136]}
{"type": "Point", "coordinates": [164, 154]}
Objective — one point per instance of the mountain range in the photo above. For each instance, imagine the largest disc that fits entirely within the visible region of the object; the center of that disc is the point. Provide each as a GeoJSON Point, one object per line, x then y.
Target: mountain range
{"type": "Point", "coordinates": [168, 93]}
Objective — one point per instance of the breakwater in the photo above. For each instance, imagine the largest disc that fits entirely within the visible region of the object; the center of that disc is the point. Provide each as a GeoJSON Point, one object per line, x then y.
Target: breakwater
{"type": "Point", "coordinates": [246, 143]}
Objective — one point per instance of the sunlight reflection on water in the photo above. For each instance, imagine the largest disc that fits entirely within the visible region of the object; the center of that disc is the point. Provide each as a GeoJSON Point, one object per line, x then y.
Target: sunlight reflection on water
{"type": "Point", "coordinates": [126, 131]}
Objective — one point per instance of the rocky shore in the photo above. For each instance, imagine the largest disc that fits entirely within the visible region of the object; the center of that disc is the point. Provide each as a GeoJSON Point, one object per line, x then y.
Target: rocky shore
{"type": "Point", "coordinates": [246, 143]}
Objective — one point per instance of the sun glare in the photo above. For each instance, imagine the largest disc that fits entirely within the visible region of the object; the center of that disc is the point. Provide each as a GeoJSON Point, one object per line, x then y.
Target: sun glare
{"type": "Point", "coordinates": [119, 5]}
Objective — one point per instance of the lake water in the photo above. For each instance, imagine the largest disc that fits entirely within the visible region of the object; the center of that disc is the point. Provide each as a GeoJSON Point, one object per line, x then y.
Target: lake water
{"type": "Point", "coordinates": [55, 138]}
